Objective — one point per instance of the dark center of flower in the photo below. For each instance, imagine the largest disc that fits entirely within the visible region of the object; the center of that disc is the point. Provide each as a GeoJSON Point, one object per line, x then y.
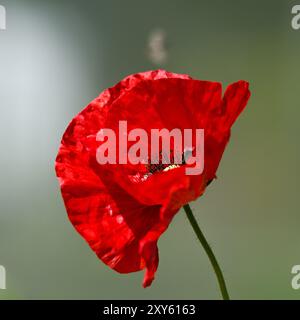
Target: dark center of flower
{"type": "Point", "coordinates": [162, 165]}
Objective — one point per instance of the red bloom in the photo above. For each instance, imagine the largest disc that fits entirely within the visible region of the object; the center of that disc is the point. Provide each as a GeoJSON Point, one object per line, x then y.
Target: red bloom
{"type": "Point", "coordinates": [120, 214]}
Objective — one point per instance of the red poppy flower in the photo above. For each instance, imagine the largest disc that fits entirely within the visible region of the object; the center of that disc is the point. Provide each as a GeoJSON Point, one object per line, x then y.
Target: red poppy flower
{"type": "Point", "coordinates": [121, 210]}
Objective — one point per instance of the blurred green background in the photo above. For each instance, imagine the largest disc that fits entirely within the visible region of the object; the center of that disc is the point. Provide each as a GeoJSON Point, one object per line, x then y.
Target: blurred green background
{"type": "Point", "coordinates": [56, 56]}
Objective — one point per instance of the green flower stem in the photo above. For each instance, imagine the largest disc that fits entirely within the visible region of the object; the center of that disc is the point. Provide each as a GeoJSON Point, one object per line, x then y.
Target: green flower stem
{"type": "Point", "coordinates": [208, 251]}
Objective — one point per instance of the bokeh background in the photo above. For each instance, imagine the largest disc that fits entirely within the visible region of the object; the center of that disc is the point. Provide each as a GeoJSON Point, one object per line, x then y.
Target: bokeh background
{"type": "Point", "coordinates": [56, 56]}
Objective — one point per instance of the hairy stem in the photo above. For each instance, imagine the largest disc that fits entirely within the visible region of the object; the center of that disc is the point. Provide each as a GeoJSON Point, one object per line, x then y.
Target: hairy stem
{"type": "Point", "coordinates": [208, 251]}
